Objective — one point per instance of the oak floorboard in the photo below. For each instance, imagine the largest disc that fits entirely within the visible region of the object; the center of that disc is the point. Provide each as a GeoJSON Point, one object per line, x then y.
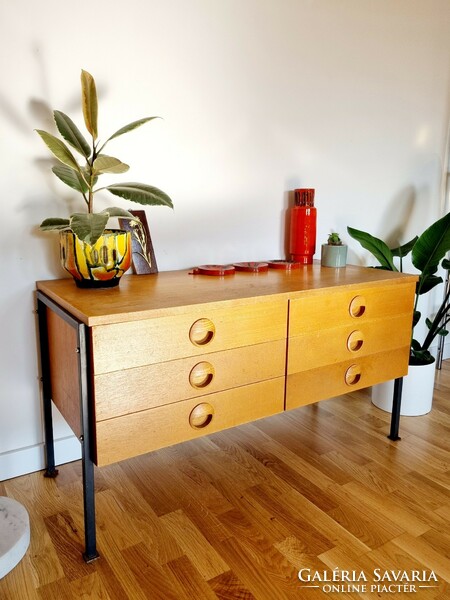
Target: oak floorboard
{"type": "Point", "coordinates": [203, 556]}
{"type": "Point", "coordinates": [228, 587]}
{"type": "Point", "coordinates": [189, 579]}
{"type": "Point", "coordinates": [150, 576]}
{"type": "Point", "coordinates": [235, 515]}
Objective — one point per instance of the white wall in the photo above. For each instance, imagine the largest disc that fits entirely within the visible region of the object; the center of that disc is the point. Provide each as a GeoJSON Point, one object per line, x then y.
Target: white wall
{"type": "Point", "coordinates": [258, 97]}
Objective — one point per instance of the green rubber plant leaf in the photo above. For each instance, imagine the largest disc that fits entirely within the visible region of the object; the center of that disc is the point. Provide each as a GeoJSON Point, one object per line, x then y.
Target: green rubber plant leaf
{"type": "Point", "coordinates": [114, 211]}
{"type": "Point", "coordinates": [432, 246]}
{"type": "Point", "coordinates": [71, 178]}
{"type": "Point", "coordinates": [59, 149]}
{"type": "Point", "coordinates": [445, 263]}
{"type": "Point", "coordinates": [89, 226]}
{"type": "Point", "coordinates": [54, 223]}
{"type": "Point", "coordinates": [141, 193]}
{"type": "Point", "coordinates": [130, 127]}
{"type": "Point", "coordinates": [375, 246]}
{"type": "Point", "coordinates": [89, 103]}
{"type": "Point", "coordinates": [71, 133]}
{"type": "Point", "coordinates": [108, 164]}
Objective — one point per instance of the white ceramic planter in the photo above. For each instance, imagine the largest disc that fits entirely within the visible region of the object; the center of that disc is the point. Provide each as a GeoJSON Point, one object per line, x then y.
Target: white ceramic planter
{"type": "Point", "coordinates": [333, 256]}
{"type": "Point", "coordinates": [14, 534]}
{"type": "Point", "coordinates": [417, 393]}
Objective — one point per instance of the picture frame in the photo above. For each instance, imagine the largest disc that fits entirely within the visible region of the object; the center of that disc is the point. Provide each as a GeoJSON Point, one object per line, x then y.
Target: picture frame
{"type": "Point", "coordinates": [143, 254]}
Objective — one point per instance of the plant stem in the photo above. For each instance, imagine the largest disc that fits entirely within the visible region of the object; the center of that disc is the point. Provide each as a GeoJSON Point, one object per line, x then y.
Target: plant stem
{"type": "Point", "coordinates": [91, 178]}
{"type": "Point", "coordinates": [439, 322]}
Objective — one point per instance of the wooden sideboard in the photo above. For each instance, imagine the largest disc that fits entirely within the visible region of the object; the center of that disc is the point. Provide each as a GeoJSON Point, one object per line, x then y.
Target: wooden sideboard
{"type": "Point", "coordinates": [170, 357]}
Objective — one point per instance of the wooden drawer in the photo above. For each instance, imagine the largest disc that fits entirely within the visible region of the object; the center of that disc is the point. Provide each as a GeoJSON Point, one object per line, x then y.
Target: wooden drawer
{"type": "Point", "coordinates": [138, 433]}
{"type": "Point", "coordinates": [326, 308]}
{"type": "Point", "coordinates": [337, 344]}
{"type": "Point", "coordinates": [345, 377]}
{"type": "Point", "coordinates": [132, 390]}
{"type": "Point", "coordinates": [136, 343]}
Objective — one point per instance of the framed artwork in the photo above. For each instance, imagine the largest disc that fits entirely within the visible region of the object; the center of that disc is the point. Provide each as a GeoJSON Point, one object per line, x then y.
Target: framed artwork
{"type": "Point", "coordinates": [143, 254]}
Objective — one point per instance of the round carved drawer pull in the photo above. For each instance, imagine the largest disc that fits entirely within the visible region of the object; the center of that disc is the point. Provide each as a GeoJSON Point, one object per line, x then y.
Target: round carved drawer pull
{"type": "Point", "coordinates": [355, 341]}
{"type": "Point", "coordinates": [201, 415]}
{"type": "Point", "coordinates": [353, 375]}
{"type": "Point", "coordinates": [357, 306]}
{"type": "Point", "coordinates": [202, 332]}
{"type": "Point", "coordinates": [201, 375]}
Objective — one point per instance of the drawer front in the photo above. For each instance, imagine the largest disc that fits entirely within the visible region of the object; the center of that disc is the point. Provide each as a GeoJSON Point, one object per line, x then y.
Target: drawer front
{"type": "Point", "coordinates": [140, 388]}
{"type": "Point", "coordinates": [328, 309]}
{"type": "Point", "coordinates": [344, 377]}
{"type": "Point", "coordinates": [138, 433]}
{"type": "Point", "coordinates": [134, 344]}
{"type": "Point", "coordinates": [349, 342]}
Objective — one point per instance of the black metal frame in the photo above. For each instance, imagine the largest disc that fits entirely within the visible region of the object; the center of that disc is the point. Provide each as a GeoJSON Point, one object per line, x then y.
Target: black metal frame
{"type": "Point", "coordinates": [396, 405]}
{"type": "Point", "coordinates": [86, 437]}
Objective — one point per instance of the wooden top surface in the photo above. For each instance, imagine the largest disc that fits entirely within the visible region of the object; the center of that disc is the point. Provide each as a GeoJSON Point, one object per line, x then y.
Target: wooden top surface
{"type": "Point", "coordinates": [171, 292]}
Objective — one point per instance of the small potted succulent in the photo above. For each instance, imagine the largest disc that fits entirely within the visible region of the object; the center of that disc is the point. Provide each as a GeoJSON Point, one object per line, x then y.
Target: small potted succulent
{"type": "Point", "coordinates": [334, 252]}
{"type": "Point", "coordinates": [94, 255]}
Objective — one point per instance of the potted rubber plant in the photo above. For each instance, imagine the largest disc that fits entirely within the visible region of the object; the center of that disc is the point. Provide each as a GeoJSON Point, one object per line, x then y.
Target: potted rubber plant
{"type": "Point", "coordinates": [93, 254]}
{"type": "Point", "coordinates": [334, 252]}
{"type": "Point", "coordinates": [428, 253]}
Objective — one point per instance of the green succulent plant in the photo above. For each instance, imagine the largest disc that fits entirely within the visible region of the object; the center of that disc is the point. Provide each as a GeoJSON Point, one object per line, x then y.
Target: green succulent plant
{"type": "Point", "coordinates": [428, 251]}
{"type": "Point", "coordinates": [89, 225]}
{"type": "Point", "coordinates": [334, 239]}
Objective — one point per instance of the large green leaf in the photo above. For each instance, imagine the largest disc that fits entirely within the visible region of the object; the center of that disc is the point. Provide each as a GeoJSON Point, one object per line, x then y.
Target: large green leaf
{"type": "Point", "coordinates": [54, 223]}
{"type": "Point", "coordinates": [427, 282]}
{"type": "Point", "coordinates": [432, 246]}
{"type": "Point", "coordinates": [59, 149]}
{"type": "Point", "coordinates": [377, 247]}
{"type": "Point", "coordinates": [88, 226]}
{"type": "Point", "coordinates": [130, 127]}
{"type": "Point", "coordinates": [109, 164]}
{"type": "Point", "coordinates": [404, 249]}
{"type": "Point", "coordinates": [89, 103]}
{"type": "Point", "coordinates": [71, 178]}
{"type": "Point", "coordinates": [71, 133]}
{"type": "Point", "coordinates": [140, 193]}
{"type": "Point", "coordinates": [420, 357]}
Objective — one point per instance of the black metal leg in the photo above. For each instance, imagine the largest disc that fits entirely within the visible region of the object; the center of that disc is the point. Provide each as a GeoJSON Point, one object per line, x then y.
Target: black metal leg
{"type": "Point", "coordinates": [396, 405]}
{"type": "Point", "coordinates": [50, 470]}
{"type": "Point", "coordinates": [90, 552]}
{"type": "Point", "coordinates": [86, 435]}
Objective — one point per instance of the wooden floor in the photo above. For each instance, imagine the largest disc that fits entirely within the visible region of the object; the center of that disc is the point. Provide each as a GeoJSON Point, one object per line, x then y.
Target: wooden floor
{"type": "Point", "coordinates": [237, 514]}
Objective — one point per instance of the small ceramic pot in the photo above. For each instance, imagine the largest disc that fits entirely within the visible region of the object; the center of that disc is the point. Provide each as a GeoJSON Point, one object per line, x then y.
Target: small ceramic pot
{"type": "Point", "coordinates": [333, 256]}
{"type": "Point", "coordinates": [100, 265]}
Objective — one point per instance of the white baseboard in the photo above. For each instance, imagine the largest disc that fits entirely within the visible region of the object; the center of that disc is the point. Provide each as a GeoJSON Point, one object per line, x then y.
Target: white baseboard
{"type": "Point", "coordinates": [27, 460]}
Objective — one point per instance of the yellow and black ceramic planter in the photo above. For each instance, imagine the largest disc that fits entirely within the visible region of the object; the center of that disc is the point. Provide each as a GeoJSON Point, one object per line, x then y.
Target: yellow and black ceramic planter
{"type": "Point", "coordinates": [100, 265]}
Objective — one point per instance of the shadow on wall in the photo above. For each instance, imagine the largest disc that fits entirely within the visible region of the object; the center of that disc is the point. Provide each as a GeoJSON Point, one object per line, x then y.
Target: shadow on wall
{"type": "Point", "coordinates": [395, 224]}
